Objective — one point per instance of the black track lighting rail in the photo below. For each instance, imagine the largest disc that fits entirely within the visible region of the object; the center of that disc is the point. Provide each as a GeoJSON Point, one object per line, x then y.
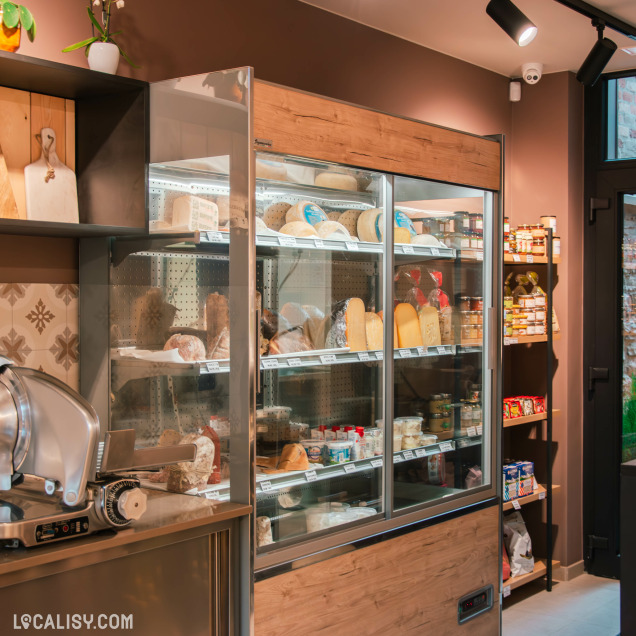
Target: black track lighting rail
{"type": "Point", "coordinates": [593, 13]}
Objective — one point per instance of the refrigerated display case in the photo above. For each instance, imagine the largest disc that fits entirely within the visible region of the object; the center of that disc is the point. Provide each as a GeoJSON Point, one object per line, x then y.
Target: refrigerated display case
{"type": "Point", "coordinates": [330, 323]}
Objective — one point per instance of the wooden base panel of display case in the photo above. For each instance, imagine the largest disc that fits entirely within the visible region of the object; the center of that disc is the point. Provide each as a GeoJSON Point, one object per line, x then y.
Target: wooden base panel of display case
{"type": "Point", "coordinates": [527, 419]}
{"type": "Point", "coordinates": [540, 570]}
{"type": "Point", "coordinates": [537, 495]}
{"type": "Point", "coordinates": [406, 584]}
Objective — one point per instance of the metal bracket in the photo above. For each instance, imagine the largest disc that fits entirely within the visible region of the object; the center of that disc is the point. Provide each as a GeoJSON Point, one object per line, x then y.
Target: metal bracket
{"type": "Point", "coordinates": [598, 204]}
{"type": "Point", "coordinates": [594, 374]}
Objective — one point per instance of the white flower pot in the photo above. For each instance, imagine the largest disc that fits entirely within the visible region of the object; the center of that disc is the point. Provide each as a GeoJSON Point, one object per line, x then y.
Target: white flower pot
{"type": "Point", "coordinates": [104, 57]}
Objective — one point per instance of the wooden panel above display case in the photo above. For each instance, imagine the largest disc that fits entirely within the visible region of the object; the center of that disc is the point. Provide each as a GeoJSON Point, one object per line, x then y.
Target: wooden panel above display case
{"type": "Point", "coordinates": [307, 125]}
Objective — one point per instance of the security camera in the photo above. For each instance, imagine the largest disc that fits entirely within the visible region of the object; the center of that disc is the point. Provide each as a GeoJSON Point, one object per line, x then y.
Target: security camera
{"type": "Point", "coordinates": [531, 72]}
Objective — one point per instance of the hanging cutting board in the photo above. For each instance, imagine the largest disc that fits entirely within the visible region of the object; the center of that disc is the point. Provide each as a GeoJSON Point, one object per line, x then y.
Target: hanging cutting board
{"type": "Point", "coordinates": [8, 206]}
{"type": "Point", "coordinates": [51, 187]}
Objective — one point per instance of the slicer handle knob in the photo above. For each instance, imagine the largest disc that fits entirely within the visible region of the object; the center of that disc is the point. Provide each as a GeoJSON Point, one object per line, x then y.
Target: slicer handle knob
{"type": "Point", "coordinates": [132, 503]}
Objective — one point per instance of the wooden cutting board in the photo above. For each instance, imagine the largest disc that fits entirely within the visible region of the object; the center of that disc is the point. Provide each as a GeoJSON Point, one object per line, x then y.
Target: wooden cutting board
{"type": "Point", "coordinates": [8, 206]}
{"type": "Point", "coordinates": [53, 199]}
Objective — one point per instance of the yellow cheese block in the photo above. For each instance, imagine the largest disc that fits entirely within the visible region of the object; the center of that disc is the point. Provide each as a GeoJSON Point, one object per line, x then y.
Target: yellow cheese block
{"type": "Point", "coordinates": [395, 333]}
{"type": "Point", "coordinates": [401, 235]}
{"type": "Point", "coordinates": [429, 326]}
{"type": "Point", "coordinates": [375, 331]}
{"type": "Point", "coordinates": [348, 327]}
{"type": "Point", "coordinates": [408, 326]}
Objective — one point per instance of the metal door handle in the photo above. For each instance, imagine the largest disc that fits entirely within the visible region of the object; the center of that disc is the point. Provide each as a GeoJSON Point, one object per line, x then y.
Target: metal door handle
{"type": "Point", "coordinates": [594, 374]}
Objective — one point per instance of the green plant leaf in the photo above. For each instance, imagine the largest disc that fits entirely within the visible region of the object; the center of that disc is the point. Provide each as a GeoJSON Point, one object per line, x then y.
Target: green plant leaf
{"type": "Point", "coordinates": [26, 18]}
{"type": "Point", "coordinates": [95, 22]}
{"type": "Point", "coordinates": [10, 15]}
{"type": "Point", "coordinates": [79, 45]}
{"type": "Point", "coordinates": [31, 32]}
{"type": "Point", "coordinates": [125, 56]}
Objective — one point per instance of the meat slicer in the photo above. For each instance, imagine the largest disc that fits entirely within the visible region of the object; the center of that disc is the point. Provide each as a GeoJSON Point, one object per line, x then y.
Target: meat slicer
{"type": "Point", "coordinates": [53, 486]}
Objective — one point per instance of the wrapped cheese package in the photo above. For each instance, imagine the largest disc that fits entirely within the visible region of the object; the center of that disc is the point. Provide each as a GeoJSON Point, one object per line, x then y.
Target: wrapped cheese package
{"type": "Point", "coordinates": [348, 327]}
{"type": "Point", "coordinates": [194, 213]}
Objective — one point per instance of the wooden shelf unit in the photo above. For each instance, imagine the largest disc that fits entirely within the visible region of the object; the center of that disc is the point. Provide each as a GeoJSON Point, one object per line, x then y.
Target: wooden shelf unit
{"type": "Point", "coordinates": [540, 570]}
{"type": "Point", "coordinates": [527, 419]}
{"type": "Point", "coordinates": [530, 339]}
{"type": "Point", "coordinates": [537, 495]}
{"type": "Point", "coordinates": [509, 259]}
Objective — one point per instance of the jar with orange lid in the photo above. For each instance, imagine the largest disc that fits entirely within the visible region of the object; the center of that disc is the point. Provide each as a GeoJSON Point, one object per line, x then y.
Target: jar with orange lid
{"type": "Point", "coordinates": [537, 230]}
{"type": "Point", "coordinates": [538, 246]}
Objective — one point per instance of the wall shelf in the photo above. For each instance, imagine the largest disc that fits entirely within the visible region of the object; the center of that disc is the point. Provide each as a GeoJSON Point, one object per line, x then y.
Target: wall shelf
{"type": "Point", "coordinates": [540, 570]}
{"type": "Point", "coordinates": [527, 419]}
{"type": "Point", "coordinates": [537, 495]}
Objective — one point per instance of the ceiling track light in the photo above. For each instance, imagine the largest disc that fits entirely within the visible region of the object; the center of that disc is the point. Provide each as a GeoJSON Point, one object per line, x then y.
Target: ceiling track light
{"type": "Point", "coordinates": [597, 59]}
{"type": "Point", "coordinates": [512, 21]}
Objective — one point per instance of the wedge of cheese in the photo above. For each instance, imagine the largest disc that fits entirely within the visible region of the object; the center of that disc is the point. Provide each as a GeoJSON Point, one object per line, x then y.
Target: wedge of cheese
{"type": "Point", "coordinates": [408, 326]}
{"type": "Point", "coordinates": [429, 326]}
{"type": "Point", "coordinates": [374, 330]}
{"type": "Point", "coordinates": [401, 235]}
{"type": "Point", "coordinates": [194, 213]}
{"type": "Point", "coordinates": [332, 230]}
{"type": "Point", "coordinates": [307, 212]}
{"type": "Point", "coordinates": [348, 328]}
{"type": "Point", "coordinates": [395, 333]}
{"type": "Point", "coordinates": [299, 229]}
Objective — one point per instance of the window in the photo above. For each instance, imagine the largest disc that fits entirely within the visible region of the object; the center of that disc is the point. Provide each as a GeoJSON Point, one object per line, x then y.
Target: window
{"type": "Point", "coordinates": [621, 118]}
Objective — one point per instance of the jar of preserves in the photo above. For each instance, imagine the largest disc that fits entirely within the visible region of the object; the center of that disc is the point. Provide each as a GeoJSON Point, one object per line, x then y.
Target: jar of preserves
{"type": "Point", "coordinates": [464, 303]}
{"type": "Point", "coordinates": [531, 314]}
{"type": "Point", "coordinates": [508, 302]}
{"type": "Point", "coordinates": [506, 244]}
{"type": "Point", "coordinates": [508, 329]}
{"type": "Point", "coordinates": [476, 303]}
{"type": "Point", "coordinates": [527, 301]}
{"type": "Point", "coordinates": [476, 222]}
{"type": "Point", "coordinates": [539, 300]}
{"type": "Point", "coordinates": [531, 330]}
{"type": "Point", "coordinates": [519, 330]}
{"type": "Point", "coordinates": [516, 310]}
{"type": "Point", "coordinates": [480, 242]}
{"type": "Point", "coordinates": [474, 241]}
{"type": "Point", "coordinates": [538, 247]}
{"type": "Point", "coordinates": [474, 317]}
{"type": "Point", "coordinates": [537, 231]}
{"type": "Point", "coordinates": [464, 318]}
{"type": "Point", "coordinates": [436, 404]}
{"type": "Point", "coordinates": [556, 246]}
{"type": "Point", "coordinates": [506, 225]}
{"type": "Point", "coordinates": [439, 423]}
{"type": "Point", "coordinates": [462, 222]}
{"type": "Point", "coordinates": [549, 222]}
{"type": "Point", "coordinates": [539, 314]}
{"type": "Point", "coordinates": [466, 414]}
{"type": "Point", "coordinates": [539, 328]}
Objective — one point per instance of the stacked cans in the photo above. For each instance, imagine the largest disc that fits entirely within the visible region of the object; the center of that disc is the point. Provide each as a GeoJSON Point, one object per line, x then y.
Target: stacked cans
{"type": "Point", "coordinates": [518, 480]}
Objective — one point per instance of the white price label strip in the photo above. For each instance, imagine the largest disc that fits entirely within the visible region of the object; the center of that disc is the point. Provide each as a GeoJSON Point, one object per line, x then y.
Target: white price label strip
{"type": "Point", "coordinates": [506, 591]}
{"type": "Point", "coordinates": [269, 363]}
{"type": "Point", "coordinates": [420, 452]}
{"type": "Point", "coordinates": [376, 463]}
{"type": "Point", "coordinates": [350, 468]}
{"type": "Point", "coordinates": [212, 366]}
{"type": "Point", "coordinates": [472, 431]}
{"type": "Point", "coordinates": [311, 475]}
{"type": "Point", "coordinates": [363, 356]}
{"type": "Point", "coordinates": [212, 494]}
{"type": "Point", "coordinates": [287, 241]}
{"type": "Point", "coordinates": [446, 446]}
{"type": "Point", "coordinates": [319, 243]}
{"type": "Point", "coordinates": [480, 429]}
{"type": "Point", "coordinates": [405, 353]}
{"type": "Point", "coordinates": [397, 459]}
{"type": "Point", "coordinates": [434, 251]}
{"type": "Point", "coordinates": [441, 350]}
{"type": "Point", "coordinates": [516, 505]}
{"type": "Point", "coordinates": [266, 486]}
{"type": "Point", "coordinates": [479, 256]}
{"type": "Point", "coordinates": [510, 341]}
{"type": "Point", "coordinates": [408, 455]}
{"type": "Point", "coordinates": [328, 359]}
{"type": "Point", "coordinates": [214, 236]}
{"type": "Point", "coordinates": [516, 258]}
{"type": "Point", "coordinates": [294, 362]}
{"type": "Point", "coordinates": [379, 355]}
{"type": "Point", "coordinates": [542, 495]}
{"type": "Point", "coordinates": [421, 351]}
{"type": "Point", "coordinates": [408, 249]}
{"type": "Point", "coordinates": [352, 247]}
{"type": "Point", "coordinates": [530, 258]}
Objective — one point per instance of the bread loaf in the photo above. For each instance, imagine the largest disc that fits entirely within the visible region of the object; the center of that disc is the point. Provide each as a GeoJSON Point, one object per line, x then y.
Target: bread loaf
{"type": "Point", "coordinates": [185, 476]}
{"type": "Point", "coordinates": [212, 435]}
{"type": "Point", "coordinates": [221, 347]}
{"type": "Point", "coordinates": [217, 319]}
{"type": "Point", "coordinates": [190, 348]}
{"type": "Point", "coordinates": [169, 437]}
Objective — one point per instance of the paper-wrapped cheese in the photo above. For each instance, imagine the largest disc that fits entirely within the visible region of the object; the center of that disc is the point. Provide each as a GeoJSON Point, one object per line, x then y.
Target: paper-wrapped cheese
{"type": "Point", "coordinates": [194, 213]}
{"type": "Point", "coordinates": [429, 326]}
{"type": "Point", "coordinates": [190, 348]}
{"type": "Point", "coordinates": [348, 327]}
{"type": "Point", "coordinates": [185, 476]}
{"type": "Point", "coordinates": [307, 212]}
{"type": "Point", "coordinates": [336, 180]}
{"type": "Point", "coordinates": [217, 319]}
{"type": "Point", "coordinates": [299, 229]}
{"type": "Point", "coordinates": [313, 327]}
{"type": "Point", "coordinates": [332, 230]}
{"type": "Point", "coordinates": [274, 215]}
{"type": "Point", "coordinates": [408, 327]}
{"type": "Point", "coordinates": [294, 314]}
{"type": "Point", "coordinates": [374, 331]}
{"type": "Point", "coordinates": [293, 341]}
{"type": "Point", "coordinates": [263, 531]}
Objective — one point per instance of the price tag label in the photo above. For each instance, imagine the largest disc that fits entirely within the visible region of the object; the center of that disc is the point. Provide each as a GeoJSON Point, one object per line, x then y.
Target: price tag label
{"type": "Point", "coordinates": [213, 236]}
{"type": "Point", "coordinates": [311, 475]}
{"type": "Point", "coordinates": [408, 249]}
{"type": "Point", "coordinates": [472, 431]}
{"type": "Point", "coordinates": [379, 355]}
{"type": "Point", "coordinates": [441, 350]}
{"type": "Point", "coordinates": [266, 486]}
{"type": "Point", "coordinates": [213, 494]}
{"type": "Point", "coordinates": [376, 463]}
{"type": "Point", "coordinates": [421, 351]}
{"type": "Point", "coordinates": [542, 495]}
{"type": "Point", "coordinates": [363, 356]}
{"type": "Point", "coordinates": [446, 446]}
{"type": "Point", "coordinates": [506, 591]}
{"type": "Point", "coordinates": [516, 258]}
{"type": "Point", "coordinates": [510, 341]}
{"type": "Point", "coordinates": [480, 429]}
{"type": "Point", "coordinates": [408, 455]}
{"type": "Point", "coordinates": [420, 452]}
{"type": "Point", "coordinates": [319, 243]}
{"type": "Point", "coordinates": [397, 458]}
{"type": "Point", "coordinates": [516, 505]}
{"type": "Point", "coordinates": [287, 241]}
{"type": "Point", "coordinates": [405, 353]}
{"type": "Point", "coordinates": [269, 363]}
{"type": "Point", "coordinates": [328, 359]}
{"type": "Point", "coordinates": [479, 256]}
{"type": "Point", "coordinates": [352, 247]}
{"type": "Point", "coordinates": [350, 468]}
{"type": "Point", "coordinates": [435, 251]}
{"type": "Point", "coordinates": [294, 362]}
{"type": "Point", "coordinates": [530, 258]}
{"type": "Point", "coordinates": [212, 366]}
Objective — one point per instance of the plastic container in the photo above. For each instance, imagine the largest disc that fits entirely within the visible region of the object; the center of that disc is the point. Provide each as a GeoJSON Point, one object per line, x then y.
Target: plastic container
{"type": "Point", "coordinates": [549, 222]}
{"type": "Point", "coordinates": [410, 441]}
{"type": "Point", "coordinates": [397, 443]}
{"type": "Point", "coordinates": [316, 450]}
{"type": "Point", "coordinates": [339, 452]}
{"type": "Point", "coordinates": [410, 425]}
{"type": "Point", "coordinates": [427, 438]}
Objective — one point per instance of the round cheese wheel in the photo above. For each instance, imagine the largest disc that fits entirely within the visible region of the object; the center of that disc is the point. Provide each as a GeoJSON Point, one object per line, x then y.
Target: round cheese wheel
{"type": "Point", "coordinates": [336, 181]}
{"type": "Point", "coordinates": [334, 216]}
{"type": "Point", "coordinates": [190, 348]}
{"type": "Point", "coordinates": [332, 230]}
{"type": "Point", "coordinates": [298, 228]}
{"type": "Point", "coordinates": [271, 170]}
{"type": "Point", "coordinates": [307, 212]}
{"type": "Point", "coordinates": [349, 218]}
{"type": "Point", "coordinates": [274, 215]}
{"type": "Point", "coordinates": [369, 223]}
{"type": "Point", "coordinates": [401, 219]}
{"type": "Point", "coordinates": [425, 239]}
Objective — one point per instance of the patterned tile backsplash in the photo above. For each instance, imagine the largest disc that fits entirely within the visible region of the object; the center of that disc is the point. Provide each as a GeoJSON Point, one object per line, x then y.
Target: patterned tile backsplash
{"type": "Point", "coordinates": [39, 328]}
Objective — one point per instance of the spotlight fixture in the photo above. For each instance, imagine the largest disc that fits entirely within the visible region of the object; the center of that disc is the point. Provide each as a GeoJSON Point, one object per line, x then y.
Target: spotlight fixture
{"type": "Point", "coordinates": [512, 21]}
{"type": "Point", "coordinates": [597, 58]}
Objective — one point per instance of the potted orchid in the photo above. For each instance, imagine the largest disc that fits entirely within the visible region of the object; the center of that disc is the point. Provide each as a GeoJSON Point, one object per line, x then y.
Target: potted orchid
{"type": "Point", "coordinates": [100, 49]}
{"type": "Point", "coordinates": [12, 18]}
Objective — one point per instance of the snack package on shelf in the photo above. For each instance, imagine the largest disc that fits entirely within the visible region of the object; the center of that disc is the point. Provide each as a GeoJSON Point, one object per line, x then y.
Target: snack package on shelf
{"type": "Point", "coordinates": [518, 544]}
{"type": "Point", "coordinates": [523, 405]}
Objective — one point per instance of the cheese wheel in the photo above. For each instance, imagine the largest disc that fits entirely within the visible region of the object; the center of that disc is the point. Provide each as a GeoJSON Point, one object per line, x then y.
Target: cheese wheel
{"type": "Point", "coordinates": [408, 326]}
{"type": "Point", "coordinates": [401, 235]}
{"type": "Point", "coordinates": [425, 239]}
{"type": "Point", "coordinates": [429, 326]}
{"type": "Point", "coordinates": [270, 170]}
{"type": "Point", "coordinates": [334, 216]}
{"type": "Point", "coordinates": [274, 215]}
{"type": "Point", "coordinates": [395, 333]}
{"type": "Point", "coordinates": [374, 331]}
{"type": "Point", "coordinates": [194, 213]}
{"type": "Point", "coordinates": [298, 228]}
{"type": "Point", "coordinates": [348, 328]}
{"type": "Point", "coordinates": [349, 218]}
{"type": "Point", "coordinates": [332, 230]}
{"type": "Point", "coordinates": [336, 181]}
{"type": "Point", "coordinates": [307, 212]}
{"type": "Point", "coordinates": [368, 225]}
{"type": "Point", "coordinates": [401, 219]}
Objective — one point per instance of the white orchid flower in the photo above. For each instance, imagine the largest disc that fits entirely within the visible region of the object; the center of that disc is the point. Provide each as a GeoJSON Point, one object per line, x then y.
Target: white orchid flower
{"type": "Point", "coordinates": [120, 4]}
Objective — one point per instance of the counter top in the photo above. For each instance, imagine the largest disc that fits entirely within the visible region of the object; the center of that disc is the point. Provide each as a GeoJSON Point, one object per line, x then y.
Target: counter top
{"type": "Point", "coordinates": [167, 516]}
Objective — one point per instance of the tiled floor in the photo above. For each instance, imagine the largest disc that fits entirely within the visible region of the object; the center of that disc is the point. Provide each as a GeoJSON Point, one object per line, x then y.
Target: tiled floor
{"type": "Point", "coordinates": [585, 606]}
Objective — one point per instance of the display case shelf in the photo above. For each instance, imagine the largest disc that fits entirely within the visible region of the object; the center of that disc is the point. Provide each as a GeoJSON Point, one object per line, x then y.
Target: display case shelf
{"type": "Point", "coordinates": [526, 259]}
{"type": "Point", "coordinates": [539, 571]}
{"type": "Point", "coordinates": [538, 495]}
{"type": "Point", "coordinates": [529, 339]}
{"type": "Point", "coordinates": [527, 419]}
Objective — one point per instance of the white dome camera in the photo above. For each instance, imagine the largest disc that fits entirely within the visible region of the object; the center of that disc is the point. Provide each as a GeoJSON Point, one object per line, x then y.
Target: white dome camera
{"type": "Point", "coordinates": [531, 72]}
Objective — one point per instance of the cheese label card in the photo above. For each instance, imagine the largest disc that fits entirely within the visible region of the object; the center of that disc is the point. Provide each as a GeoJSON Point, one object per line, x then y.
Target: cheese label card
{"type": "Point", "coordinates": [506, 591]}
{"type": "Point", "coordinates": [311, 475]}
{"type": "Point", "coordinates": [363, 356]}
{"type": "Point", "coordinates": [421, 351]}
{"type": "Point", "coordinates": [379, 355]}
{"type": "Point", "coordinates": [212, 494]}
{"type": "Point", "coordinates": [269, 363]}
{"type": "Point", "coordinates": [408, 455]}
{"type": "Point", "coordinates": [329, 359]}
{"type": "Point", "coordinates": [479, 256]}
{"type": "Point", "coordinates": [352, 247]}
{"type": "Point", "coordinates": [405, 353]}
{"type": "Point", "coordinates": [294, 362]}
{"type": "Point", "coordinates": [446, 446]}
{"type": "Point", "coordinates": [480, 428]}
{"type": "Point", "coordinates": [266, 486]}
{"type": "Point", "coordinates": [319, 243]}
{"type": "Point", "coordinates": [214, 236]}
{"type": "Point", "coordinates": [397, 459]}
{"type": "Point", "coordinates": [472, 431]}
{"type": "Point", "coordinates": [420, 452]}
{"type": "Point", "coordinates": [376, 463]}
{"type": "Point", "coordinates": [530, 258]}
{"type": "Point", "coordinates": [350, 468]}
{"type": "Point", "coordinates": [408, 249]}
{"type": "Point", "coordinates": [516, 258]}
{"type": "Point", "coordinates": [542, 495]}
{"type": "Point", "coordinates": [516, 505]}
{"type": "Point", "coordinates": [212, 366]}
{"type": "Point", "coordinates": [434, 251]}
{"type": "Point", "coordinates": [441, 351]}
{"type": "Point", "coordinates": [288, 241]}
